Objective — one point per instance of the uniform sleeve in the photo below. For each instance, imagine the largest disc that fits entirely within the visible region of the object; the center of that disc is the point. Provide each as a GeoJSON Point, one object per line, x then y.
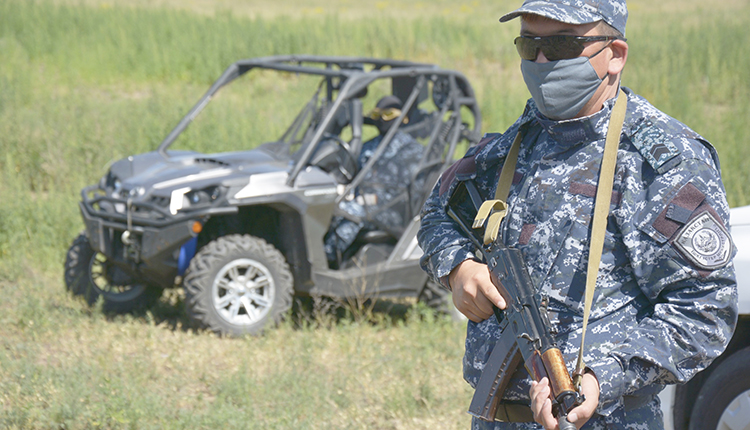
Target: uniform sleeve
{"type": "Point", "coordinates": [442, 242]}
{"type": "Point", "coordinates": [680, 251]}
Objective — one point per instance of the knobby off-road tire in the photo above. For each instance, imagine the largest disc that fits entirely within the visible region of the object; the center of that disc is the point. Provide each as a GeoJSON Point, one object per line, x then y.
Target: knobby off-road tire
{"type": "Point", "coordinates": [88, 274]}
{"type": "Point", "coordinates": [439, 298]}
{"type": "Point", "coordinates": [238, 284]}
{"type": "Point", "coordinates": [723, 402]}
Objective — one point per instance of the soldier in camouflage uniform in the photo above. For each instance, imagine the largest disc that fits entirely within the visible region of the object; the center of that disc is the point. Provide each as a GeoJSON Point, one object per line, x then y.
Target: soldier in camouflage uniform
{"type": "Point", "coordinates": [376, 200]}
{"type": "Point", "coordinates": [666, 302]}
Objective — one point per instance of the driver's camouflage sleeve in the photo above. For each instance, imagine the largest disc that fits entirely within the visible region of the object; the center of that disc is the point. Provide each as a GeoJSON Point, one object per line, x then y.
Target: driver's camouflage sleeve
{"type": "Point", "coordinates": [666, 300]}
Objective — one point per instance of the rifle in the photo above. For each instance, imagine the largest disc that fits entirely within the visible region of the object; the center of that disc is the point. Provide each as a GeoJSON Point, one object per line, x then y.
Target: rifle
{"type": "Point", "coordinates": [525, 327]}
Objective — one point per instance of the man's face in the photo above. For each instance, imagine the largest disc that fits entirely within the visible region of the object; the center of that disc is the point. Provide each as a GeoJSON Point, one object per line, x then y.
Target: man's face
{"type": "Point", "coordinates": [537, 27]}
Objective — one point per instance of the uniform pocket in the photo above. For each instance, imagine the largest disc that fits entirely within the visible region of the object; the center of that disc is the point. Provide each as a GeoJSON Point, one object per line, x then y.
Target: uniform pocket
{"type": "Point", "coordinates": [541, 251]}
{"type": "Point", "coordinates": [566, 281]}
{"type": "Point", "coordinates": [560, 252]}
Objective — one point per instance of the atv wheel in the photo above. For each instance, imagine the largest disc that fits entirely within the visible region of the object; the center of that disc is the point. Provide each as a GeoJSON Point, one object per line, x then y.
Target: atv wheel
{"type": "Point", "coordinates": [440, 299]}
{"type": "Point", "coordinates": [237, 285]}
{"type": "Point", "coordinates": [89, 274]}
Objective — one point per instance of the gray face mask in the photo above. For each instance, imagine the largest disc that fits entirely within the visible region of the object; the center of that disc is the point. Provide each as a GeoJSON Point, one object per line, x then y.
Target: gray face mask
{"type": "Point", "coordinates": [561, 88]}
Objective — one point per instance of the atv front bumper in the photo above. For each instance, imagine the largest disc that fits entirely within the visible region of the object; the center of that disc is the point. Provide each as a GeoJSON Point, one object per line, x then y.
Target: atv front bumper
{"type": "Point", "coordinates": [144, 239]}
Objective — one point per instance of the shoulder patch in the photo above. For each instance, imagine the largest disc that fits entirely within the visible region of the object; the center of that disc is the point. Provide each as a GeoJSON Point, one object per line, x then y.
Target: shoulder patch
{"type": "Point", "coordinates": [652, 142]}
{"type": "Point", "coordinates": [705, 242]}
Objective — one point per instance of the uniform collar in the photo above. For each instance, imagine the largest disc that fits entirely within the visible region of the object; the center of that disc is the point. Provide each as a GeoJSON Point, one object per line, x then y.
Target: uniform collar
{"type": "Point", "coordinates": [573, 131]}
{"type": "Point", "coordinates": [567, 133]}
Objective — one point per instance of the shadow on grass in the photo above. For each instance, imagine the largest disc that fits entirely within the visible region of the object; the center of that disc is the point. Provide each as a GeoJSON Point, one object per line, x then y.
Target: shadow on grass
{"type": "Point", "coordinates": [169, 311]}
{"type": "Point", "coordinates": [323, 311]}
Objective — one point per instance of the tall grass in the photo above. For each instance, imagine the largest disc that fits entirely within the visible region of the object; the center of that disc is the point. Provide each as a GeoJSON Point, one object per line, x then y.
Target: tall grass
{"type": "Point", "coordinates": [137, 373]}
{"type": "Point", "coordinates": [111, 44]}
{"type": "Point", "coordinates": [86, 82]}
{"type": "Point", "coordinates": [699, 73]}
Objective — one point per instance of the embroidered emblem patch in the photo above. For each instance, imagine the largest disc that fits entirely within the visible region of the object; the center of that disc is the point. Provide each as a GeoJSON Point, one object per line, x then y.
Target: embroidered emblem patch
{"type": "Point", "coordinates": [705, 242]}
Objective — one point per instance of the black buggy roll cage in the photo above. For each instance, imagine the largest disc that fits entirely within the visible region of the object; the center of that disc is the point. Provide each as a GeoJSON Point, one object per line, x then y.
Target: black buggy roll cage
{"type": "Point", "coordinates": [353, 75]}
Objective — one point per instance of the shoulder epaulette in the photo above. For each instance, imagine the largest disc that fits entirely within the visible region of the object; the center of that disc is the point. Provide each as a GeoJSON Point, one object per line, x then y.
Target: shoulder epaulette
{"type": "Point", "coordinates": [654, 144]}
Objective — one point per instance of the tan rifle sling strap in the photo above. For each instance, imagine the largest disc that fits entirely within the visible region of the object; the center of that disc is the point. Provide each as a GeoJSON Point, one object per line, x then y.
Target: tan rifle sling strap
{"type": "Point", "coordinates": [601, 210]}
{"type": "Point", "coordinates": [496, 209]}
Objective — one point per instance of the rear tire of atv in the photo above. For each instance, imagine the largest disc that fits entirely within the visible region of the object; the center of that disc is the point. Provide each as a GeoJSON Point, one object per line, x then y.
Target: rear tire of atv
{"type": "Point", "coordinates": [237, 285]}
{"type": "Point", "coordinates": [440, 299]}
{"type": "Point", "coordinates": [88, 274]}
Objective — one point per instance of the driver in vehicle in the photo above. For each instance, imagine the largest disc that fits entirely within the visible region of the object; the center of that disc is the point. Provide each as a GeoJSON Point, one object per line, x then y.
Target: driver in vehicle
{"type": "Point", "coordinates": [381, 198]}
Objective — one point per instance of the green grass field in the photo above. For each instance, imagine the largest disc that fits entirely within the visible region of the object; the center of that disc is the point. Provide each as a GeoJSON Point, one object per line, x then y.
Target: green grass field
{"type": "Point", "coordinates": [86, 82]}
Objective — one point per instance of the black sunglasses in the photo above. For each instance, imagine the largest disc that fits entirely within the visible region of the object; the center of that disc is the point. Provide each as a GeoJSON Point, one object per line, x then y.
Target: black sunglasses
{"type": "Point", "coordinates": [556, 47]}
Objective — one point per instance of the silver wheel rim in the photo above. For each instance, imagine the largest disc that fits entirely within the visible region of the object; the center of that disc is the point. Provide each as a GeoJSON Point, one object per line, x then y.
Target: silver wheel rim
{"type": "Point", "coordinates": [100, 280]}
{"type": "Point", "coordinates": [737, 414]}
{"type": "Point", "coordinates": [243, 292]}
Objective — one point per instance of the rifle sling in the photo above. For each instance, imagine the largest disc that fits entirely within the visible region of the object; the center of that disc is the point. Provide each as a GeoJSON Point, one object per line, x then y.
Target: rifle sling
{"type": "Point", "coordinates": [601, 211]}
{"type": "Point", "coordinates": [496, 209]}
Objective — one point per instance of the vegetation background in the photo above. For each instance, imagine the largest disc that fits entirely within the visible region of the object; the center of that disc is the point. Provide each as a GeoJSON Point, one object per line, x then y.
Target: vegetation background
{"type": "Point", "coordinates": [86, 82]}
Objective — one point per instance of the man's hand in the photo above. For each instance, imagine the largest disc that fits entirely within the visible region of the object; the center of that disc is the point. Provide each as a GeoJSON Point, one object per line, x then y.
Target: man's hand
{"type": "Point", "coordinates": [473, 291]}
{"type": "Point", "coordinates": [541, 404]}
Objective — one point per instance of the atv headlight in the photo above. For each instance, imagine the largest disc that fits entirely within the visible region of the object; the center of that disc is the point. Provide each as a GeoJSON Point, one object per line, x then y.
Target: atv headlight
{"type": "Point", "coordinates": [188, 199]}
{"type": "Point", "coordinates": [137, 192]}
{"type": "Point", "coordinates": [203, 197]}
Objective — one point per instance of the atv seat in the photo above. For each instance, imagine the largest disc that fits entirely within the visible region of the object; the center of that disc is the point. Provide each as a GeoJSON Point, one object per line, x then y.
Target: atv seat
{"type": "Point", "coordinates": [370, 246]}
{"type": "Point", "coordinates": [376, 236]}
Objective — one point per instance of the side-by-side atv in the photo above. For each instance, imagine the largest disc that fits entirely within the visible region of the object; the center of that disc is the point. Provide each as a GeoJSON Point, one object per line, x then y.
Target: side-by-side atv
{"type": "Point", "coordinates": [243, 232]}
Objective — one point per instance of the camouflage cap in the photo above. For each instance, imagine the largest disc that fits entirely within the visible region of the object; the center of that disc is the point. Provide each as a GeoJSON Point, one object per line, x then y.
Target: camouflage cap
{"type": "Point", "coordinates": [613, 12]}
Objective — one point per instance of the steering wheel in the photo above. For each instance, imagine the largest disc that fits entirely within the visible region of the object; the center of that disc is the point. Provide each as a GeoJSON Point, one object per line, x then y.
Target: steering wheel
{"type": "Point", "coordinates": [348, 155]}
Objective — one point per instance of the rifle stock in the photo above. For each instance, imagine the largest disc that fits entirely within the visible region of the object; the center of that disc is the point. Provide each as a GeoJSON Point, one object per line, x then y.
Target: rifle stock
{"type": "Point", "coordinates": [504, 360]}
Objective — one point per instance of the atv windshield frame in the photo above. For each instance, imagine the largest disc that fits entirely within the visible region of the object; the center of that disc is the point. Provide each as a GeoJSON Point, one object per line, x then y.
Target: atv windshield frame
{"type": "Point", "coordinates": [346, 79]}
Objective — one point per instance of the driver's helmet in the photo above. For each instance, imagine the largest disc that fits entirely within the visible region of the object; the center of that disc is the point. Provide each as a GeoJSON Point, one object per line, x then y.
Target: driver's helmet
{"type": "Point", "coordinates": [387, 110]}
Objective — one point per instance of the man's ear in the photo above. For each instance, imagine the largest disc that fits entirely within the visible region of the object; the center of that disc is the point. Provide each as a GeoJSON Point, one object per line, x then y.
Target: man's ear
{"type": "Point", "coordinates": [619, 57]}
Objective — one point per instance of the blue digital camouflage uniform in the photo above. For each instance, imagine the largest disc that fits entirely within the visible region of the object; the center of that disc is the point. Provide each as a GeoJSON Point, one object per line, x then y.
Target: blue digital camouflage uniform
{"type": "Point", "coordinates": [666, 299]}
{"type": "Point", "coordinates": [374, 200]}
